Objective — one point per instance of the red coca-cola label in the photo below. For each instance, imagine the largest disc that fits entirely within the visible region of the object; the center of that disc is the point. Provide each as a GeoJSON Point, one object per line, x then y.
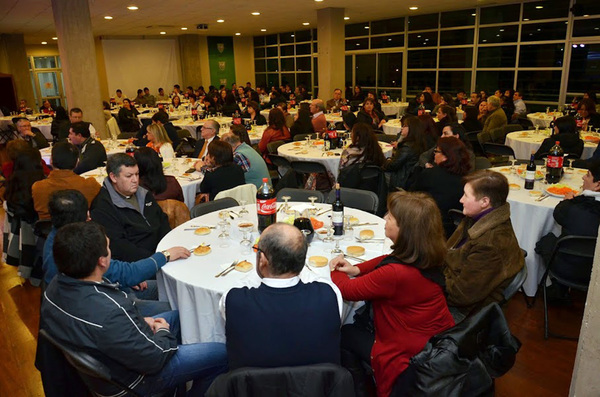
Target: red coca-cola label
{"type": "Point", "coordinates": [194, 112]}
{"type": "Point", "coordinates": [266, 207]}
{"type": "Point", "coordinates": [161, 106]}
{"type": "Point", "coordinates": [579, 123]}
{"type": "Point", "coordinates": [555, 162]}
{"type": "Point", "coordinates": [344, 108]}
{"type": "Point", "coordinates": [464, 101]}
{"type": "Point", "coordinates": [421, 112]}
{"type": "Point", "coordinates": [332, 134]}
{"type": "Point", "coordinates": [237, 120]}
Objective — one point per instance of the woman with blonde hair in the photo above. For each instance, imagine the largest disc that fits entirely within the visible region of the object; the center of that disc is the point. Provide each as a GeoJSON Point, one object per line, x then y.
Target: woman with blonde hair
{"type": "Point", "coordinates": [158, 139]}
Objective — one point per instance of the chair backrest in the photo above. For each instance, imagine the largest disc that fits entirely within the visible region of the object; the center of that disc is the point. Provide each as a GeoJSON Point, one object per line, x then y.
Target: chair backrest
{"type": "Point", "coordinates": [279, 161]}
{"type": "Point", "coordinates": [577, 273]}
{"type": "Point", "coordinates": [482, 163]}
{"type": "Point", "coordinates": [508, 128]}
{"type": "Point", "coordinates": [456, 216]}
{"type": "Point", "coordinates": [300, 194]}
{"type": "Point", "coordinates": [246, 192]}
{"type": "Point", "coordinates": [356, 198]}
{"type": "Point", "coordinates": [272, 146]}
{"type": "Point", "coordinates": [515, 285]}
{"type": "Point", "coordinates": [483, 137]}
{"type": "Point", "coordinates": [183, 133]}
{"type": "Point", "coordinates": [386, 138]}
{"type": "Point", "coordinates": [85, 364]}
{"type": "Point", "coordinates": [113, 128]}
{"type": "Point", "coordinates": [176, 211]}
{"type": "Point", "coordinates": [301, 137]}
{"type": "Point", "coordinates": [212, 206]}
{"type": "Point", "coordinates": [319, 380]}
{"type": "Point", "coordinates": [498, 149]}
{"type": "Point", "coordinates": [308, 167]}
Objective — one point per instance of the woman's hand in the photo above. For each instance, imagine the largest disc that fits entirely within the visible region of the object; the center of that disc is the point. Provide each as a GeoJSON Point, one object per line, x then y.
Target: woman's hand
{"type": "Point", "coordinates": [382, 122]}
{"type": "Point", "coordinates": [342, 265]}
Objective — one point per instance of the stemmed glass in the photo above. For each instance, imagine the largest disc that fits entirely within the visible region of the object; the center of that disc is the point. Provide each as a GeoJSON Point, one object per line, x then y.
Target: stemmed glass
{"type": "Point", "coordinates": [307, 140]}
{"type": "Point", "coordinates": [513, 169]}
{"type": "Point", "coordinates": [245, 228]}
{"type": "Point", "coordinates": [348, 229]}
{"type": "Point", "coordinates": [243, 211]}
{"type": "Point", "coordinates": [285, 204]}
{"type": "Point", "coordinates": [336, 249]}
{"type": "Point", "coordinates": [329, 237]}
{"type": "Point", "coordinates": [313, 208]}
{"type": "Point", "coordinates": [224, 228]}
{"type": "Point", "coordinates": [569, 171]}
{"type": "Point", "coordinates": [537, 128]}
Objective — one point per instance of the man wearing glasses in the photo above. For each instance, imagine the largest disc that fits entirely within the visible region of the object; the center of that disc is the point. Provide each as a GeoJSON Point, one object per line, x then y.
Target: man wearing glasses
{"type": "Point", "coordinates": [209, 131]}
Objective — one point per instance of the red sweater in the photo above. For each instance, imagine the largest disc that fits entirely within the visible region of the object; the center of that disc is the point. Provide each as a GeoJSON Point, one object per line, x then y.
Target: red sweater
{"type": "Point", "coordinates": [408, 310]}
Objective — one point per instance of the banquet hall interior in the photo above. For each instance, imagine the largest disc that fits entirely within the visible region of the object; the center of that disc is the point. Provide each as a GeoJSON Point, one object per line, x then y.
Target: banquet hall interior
{"type": "Point", "coordinates": [78, 53]}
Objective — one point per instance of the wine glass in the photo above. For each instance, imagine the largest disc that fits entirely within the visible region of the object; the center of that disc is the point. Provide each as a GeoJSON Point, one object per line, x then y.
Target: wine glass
{"type": "Point", "coordinates": [537, 128]}
{"type": "Point", "coordinates": [348, 229]}
{"type": "Point", "coordinates": [285, 204]}
{"type": "Point", "coordinates": [246, 244]}
{"type": "Point", "coordinates": [329, 237]}
{"type": "Point", "coordinates": [243, 211]}
{"type": "Point", "coordinates": [307, 140]}
{"type": "Point", "coordinates": [513, 169]}
{"type": "Point", "coordinates": [224, 229]}
{"type": "Point", "coordinates": [336, 250]}
{"type": "Point", "coordinates": [313, 208]}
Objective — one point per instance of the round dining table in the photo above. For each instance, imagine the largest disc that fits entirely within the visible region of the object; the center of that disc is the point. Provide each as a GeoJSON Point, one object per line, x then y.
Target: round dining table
{"type": "Point", "coordinates": [532, 219]}
{"type": "Point", "coordinates": [191, 287]}
{"type": "Point", "coordinates": [302, 151]}
{"type": "Point", "coordinates": [543, 119]}
{"type": "Point", "coordinates": [395, 109]}
{"type": "Point", "coordinates": [524, 142]}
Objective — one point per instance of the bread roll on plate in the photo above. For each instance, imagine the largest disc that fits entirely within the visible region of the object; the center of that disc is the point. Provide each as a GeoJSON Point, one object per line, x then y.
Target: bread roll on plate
{"type": "Point", "coordinates": [202, 250]}
{"type": "Point", "coordinates": [355, 250]}
{"type": "Point", "coordinates": [318, 261]}
{"type": "Point", "coordinates": [202, 231]}
{"type": "Point", "coordinates": [366, 234]}
{"type": "Point", "coordinates": [244, 266]}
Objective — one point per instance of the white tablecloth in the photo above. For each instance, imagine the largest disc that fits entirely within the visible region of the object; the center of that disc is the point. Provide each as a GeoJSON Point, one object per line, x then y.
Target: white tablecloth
{"type": "Point", "coordinates": [523, 142]}
{"type": "Point", "coordinates": [533, 219]}
{"type": "Point", "coordinates": [191, 287]}
{"type": "Point", "coordinates": [543, 119]}
{"type": "Point", "coordinates": [331, 159]}
{"type": "Point", "coordinates": [394, 108]}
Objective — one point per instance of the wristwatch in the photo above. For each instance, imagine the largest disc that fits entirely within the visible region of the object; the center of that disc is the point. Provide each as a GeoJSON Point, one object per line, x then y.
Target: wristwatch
{"type": "Point", "coordinates": [167, 255]}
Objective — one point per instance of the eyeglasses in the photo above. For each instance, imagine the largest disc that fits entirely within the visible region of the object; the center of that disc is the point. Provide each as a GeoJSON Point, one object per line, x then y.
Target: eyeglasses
{"type": "Point", "coordinates": [437, 151]}
{"type": "Point", "coordinates": [207, 128]}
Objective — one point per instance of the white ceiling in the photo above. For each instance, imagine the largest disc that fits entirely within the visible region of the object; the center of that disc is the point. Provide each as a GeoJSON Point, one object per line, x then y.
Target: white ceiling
{"type": "Point", "coordinates": [34, 17]}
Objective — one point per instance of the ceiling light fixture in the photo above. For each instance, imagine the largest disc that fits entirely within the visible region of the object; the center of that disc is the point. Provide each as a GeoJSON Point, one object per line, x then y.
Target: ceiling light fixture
{"type": "Point", "coordinates": [473, 15]}
{"type": "Point", "coordinates": [263, 30]}
{"type": "Point", "coordinates": [44, 42]}
{"type": "Point", "coordinates": [539, 7]}
{"type": "Point", "coordinates": [305, 23]}
{"type": "Point", "coordinates": [238, 34]}
{"type": "Point", "coordinates": [256, 13]}
{"type": "Point", "coordinates": [346, 18]}
{"type": "Point", "coordinates": [108, 17]}
{"type": "Point", "coordinates": [318, 1]}
{"type": "Point", "coordinates": [55, 38]}
{"type": "Point", "coordinates": [183, 28]}
{"type": "Point", "coordinates": [220, 20]}
{"type": "Point", "coordinates": [163, 32]}
{"type": "Point", "coordinates": [413, 8]}
{"type": "Point", "coordinates": [132, 8]}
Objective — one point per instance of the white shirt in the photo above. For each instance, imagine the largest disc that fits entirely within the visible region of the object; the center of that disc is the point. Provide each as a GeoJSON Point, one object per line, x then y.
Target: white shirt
{"type": "Point", "coordinates": [314, 116]}
{"type": "Point", "coordinates": [591, 193]}
{"type": "Point", "coordinates": [520, 107]}
{"type": "Point", "coordinates": [166, 151]}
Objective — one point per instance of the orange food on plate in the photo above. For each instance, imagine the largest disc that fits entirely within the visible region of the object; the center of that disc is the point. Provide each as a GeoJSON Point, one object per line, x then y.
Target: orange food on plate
{"type": "Point", "coordinates": [316, 224]}
{"type": "Point", "coordinates": [562, 190]}
{"type": "Point", "coordinates": [590, 138]}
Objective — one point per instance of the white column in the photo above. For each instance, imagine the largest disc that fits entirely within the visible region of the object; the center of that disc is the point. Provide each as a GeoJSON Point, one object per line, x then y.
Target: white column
{"type": "Point", "coordinates": [331, 32]}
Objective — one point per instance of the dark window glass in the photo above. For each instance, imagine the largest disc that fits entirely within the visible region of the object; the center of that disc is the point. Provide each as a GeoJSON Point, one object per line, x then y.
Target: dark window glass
{"type": "Point", "coordinates": [453, 19]}
{"type": "Point", "coordinates": [387, 26]}
{"type": "Point", "coordinates": [496, 57]}
{"type": "Point", "coordinates": [288, 78]}
{"type": "Point", "coordinates": [365, 70]}
{"type": "Point", "coordinates": [539, 85]}
{"type": "Point", "coordinates": [422, 22]}
{"type": "Point", "coordinates": [587, 7]}
{"type": "Point", "coordinates": [416, 81]}
{"type": "Point", "coordinates": [286, 50]}
{"type": "Point", "coordinates": [456, 37]}
{"type": "Point", "coordinates": [272, 65]}
{"type": "Point", "coordinates": [273, 80]}
{"type": "Point", "coordinates": [315, 47]}
{"type": "Point", "coordinates": [586, 27]}
{"type": "Point", "coordinates": [499, 34]}
{"type": "Point", "coordinates": [426, 39]}
{"type": "Point", "coordinates": [305, 80]}
{"type": "Point", "coordinates": [272, 52]}
{"type": "Point", "coordinates": [387, 41]}
{"type": "Point", "coordinates": [259, 66]}
{"type": "Point", "coordinates": [261, 79]}
{"type": "Point", "coordinates": [271, 39]}
{"type": "Point", "coordinates": [452, 82]}
{"type": "Point", "coordinates": [500, 14]}
{"type": "Point", "coordinates": [303, 35]}
{"type": "Point", "coordinates": [492, 81]}
{"type": "Point", "coordinates": [314, 34]}
{"type": "Point", "coordinates": [259, 40]}
{"type": "Point", "coordinates": [303, 49]}
{"type": "Point", "coordinates": [316, 70]}
{"type": "Point", "coordinates": [259, 52]}
{"type": "Point", "coordinates": [287, 37]}
{"type": "Point", "coordinates": [543, 31]}
{"type": "Point", "coordinates": [546, 9]}
{"type": "Point", "coordinates": [390, 70]}
{"type": "Point", "coordinates": [357, 44]}
{"type": "Point", "coordinates": [303, 64]}
{"type": "Point", "coordinates": [544, 55]}
{"type": "Point", "coordinates": [456, 58]}
{"type": "Point", "coordinates": [348, 68]}
{"type": "Point", "coordinates": [357, 29]}
{"type": "Point", "coordinates": [287, 64]}
{"type": "Point", "coordinates": [425, 59]}
{"type": "Point", "coordinates": [585, 62]}
{"type": "Point", "coordinates": [44, 62]}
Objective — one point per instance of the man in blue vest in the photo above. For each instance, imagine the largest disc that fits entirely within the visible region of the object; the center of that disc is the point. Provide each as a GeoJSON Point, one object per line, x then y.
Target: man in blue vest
{"type": "Point", "coordinates": [285, 319]}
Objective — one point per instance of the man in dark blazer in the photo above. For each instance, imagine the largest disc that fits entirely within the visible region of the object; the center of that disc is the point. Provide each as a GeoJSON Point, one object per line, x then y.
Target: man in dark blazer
{"type": "Point", "coordinates": [210, 131]}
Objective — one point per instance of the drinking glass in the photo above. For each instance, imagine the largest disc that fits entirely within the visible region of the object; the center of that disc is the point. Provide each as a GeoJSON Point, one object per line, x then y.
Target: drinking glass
{"type": "Point", "coordinates": [348, 229]}
{"type": "Point", "coordinates": [313, 208]}
{"type": "Point", "coordinates": [285, 204]}
{"type": "Point", "coordinates": [329, 237]}
{"type": "Point", "coordinates": [243, 211]}
{"type": "Point", "coordinates": [246, 244]}
{"type": "Point", "coordinates": [513, 169]}
{"type": "Point", "coordinates": [336, 250]}
{"type": "Point", "coordinates": [537, 128]}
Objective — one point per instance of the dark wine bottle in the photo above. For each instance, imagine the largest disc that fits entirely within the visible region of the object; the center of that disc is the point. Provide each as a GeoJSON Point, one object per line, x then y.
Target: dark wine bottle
{"type": "Point", "coordinates": [337, 216]}
{"type": "Point", "coordinates": [530, 174]}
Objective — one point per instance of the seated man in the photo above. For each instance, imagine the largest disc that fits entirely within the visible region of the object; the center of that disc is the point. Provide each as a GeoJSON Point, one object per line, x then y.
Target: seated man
{"type": "Point", "coordinates": [208, 132]}
{"type": "Point", "coordinates": [134, 222]}
{"type": "Point", "coordinates": [496, 117]}
{"type": "Point", "coordinates": [85, 311]}
{"type": "Point", "coordinates": [484, 254]}
{"type": "Point", "coordinates": [32, 136]}
{"type": "Point", "coordinates": [319, 121]}
{"type": "Point", "coordinates": [92, 153]}
{"type": "Point", "coordinates": [244, 155]}
{"type": "Point", "coordinates": [520, 108]}
{"type": "Point", "coordinates": [282, 320]}
{"type": "Point", "coordinates": [150, 100]}
{"type": "Point", "coordinates": [64, 159]}
{"type": "Point", "coordinates": [336, 102]}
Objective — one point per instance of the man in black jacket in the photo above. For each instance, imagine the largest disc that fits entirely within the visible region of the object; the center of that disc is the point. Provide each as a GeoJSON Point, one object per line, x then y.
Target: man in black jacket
{"type": "Point", "coordinates": [92, 153]}
{"type": "Point", "coordinates": [83, 310]}
{"type": "Point", "coordinates": [134, 222]}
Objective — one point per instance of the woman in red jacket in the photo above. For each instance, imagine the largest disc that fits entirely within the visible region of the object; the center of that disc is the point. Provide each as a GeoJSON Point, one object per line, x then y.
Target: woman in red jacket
{"type": "Point", "coordinates": [405, 289]}
{"type": "Point", "coordinates": [276, 131]}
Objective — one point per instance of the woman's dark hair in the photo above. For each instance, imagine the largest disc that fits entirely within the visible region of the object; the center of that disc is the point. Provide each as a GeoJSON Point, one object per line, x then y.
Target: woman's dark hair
{"type": "Point", "coordinates": [254, 105]}
{"type": "Point", "coordinates": [241, 132]}
{"type": "Point", "coordinates": [105, 105]}
{"type": "Point", "coordinates": [349, 119]}
{"type": "Point", "coordinates": [151, 170]}
{"type": "Point", "coordinates": [471, 113]}
{"type": "Point", "coordinates": [221, 152]}
{"type": "Point", "coordinates": [172, 100]}
{"type": "Point", "coordinates": [230, 99]}
{"type": "Point", "coordinates": [459, 130]}
{"type": "Point", "coordinates": [592, 95]}
{"type": "Point", "coordinates": [27, 169]}
{"type": "Point", "coordinates": [253, 95]}
{"type": "Point", "coordinates": [450, 113]}
{"type": "Point", "coordinates": [447, 98]}
{"type": "Point", "coordinates": [61, 113]}
{"type": "Point", "coordinates": [590, 106]}
{"type": "Point", "coordinates": [364, 138]}
{"type": "Point", "coordinates": [371, 101]}
{"type": "Point", "coordinates": [457, 157]}
{"type": "Point", "coordinates": [429, 129]}
{"type": "Point", "coordinates": [427, 98]}
{"type": "Point", "coordinates": [416, 136]}
{"type": "Point", "coordinates": [304, 120]}
{"type": "Point", "coordinates": [566, 124]}
{"type": "Point", "coordinates": [276, 119]}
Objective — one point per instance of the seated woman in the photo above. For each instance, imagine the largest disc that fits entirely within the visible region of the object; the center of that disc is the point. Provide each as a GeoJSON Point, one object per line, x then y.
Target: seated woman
{"type": "Point", "coordinates": [482, 112]}
{"type": "Point", "coordinates": [376, 102]}
{"type": "Point", "coordinates": [470, 120]}
{"type": "Point", "coordinates": [410, 146]}
{"type": "Point", "coordinates": [159, 141]}
{"type": "Point", "coordinates": [59, 129]}
{"type": "Point", "coordinates": [194, 105]}
{"type": "Point", "coordinates": [565, 132]}
{"type": "Point", "coordinates": [13, 149]}
{"type": "Point", "coordinates": [430, 132]}
{"type": "Point", "coordinates": [358, 95]}
{"type": "Point", "coordinates": [364, 149]}
{"type": "Point", "coordinates": [26, 169]}
{"type": "Point", "coordinates": [230, 106]}
{"type": "Point", "coordinates": [176, 103]}
{"type": "Point", "coordinates": [163, 187]}
{"type": "Point", "coordinates": [222, 173]}
{"type": "Point", "coordinates": [445, 99]}
{"type": "Point", "coordinates": [46, 108]}
{"type": "Point", "coordinates": [127, 117]}
{"type": "Point", "coordinates": [276, 131]}
{"type": "Point", "coordinates": [483, 253]}
{"type": "Point", "coordinates": [302, 123]}
{"type": "Point", "coordinates": [453, 130]}
{"type": "Point", "coordinates": [405, 290]}
{"type": "Point", "coordinates": [369, 115]}
{"type": "Point", "coordinates": [253, 113]}
{"type": "Point", "coordinates": [587, 110]}
{"type": "Point", "coordinates": [443, 180]}
{"type": "Point", "coordinates": [446, 114]}
{"type": "Point", "coordinates": [427, 101]}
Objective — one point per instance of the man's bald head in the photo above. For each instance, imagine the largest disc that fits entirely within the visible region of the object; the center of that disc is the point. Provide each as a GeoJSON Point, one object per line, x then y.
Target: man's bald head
{"type": "Point", "coordinates": [285, 248]}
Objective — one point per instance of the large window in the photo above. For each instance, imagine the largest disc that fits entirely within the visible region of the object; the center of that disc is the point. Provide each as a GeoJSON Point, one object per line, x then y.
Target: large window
{"type": "Point", "coordinates": [46, 79]}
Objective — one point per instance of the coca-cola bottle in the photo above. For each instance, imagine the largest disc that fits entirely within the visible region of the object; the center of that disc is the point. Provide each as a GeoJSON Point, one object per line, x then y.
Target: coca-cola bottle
{"type": "Point", "coordinates": [421, 110]}
{"type": "Point", "coordinates": [332, 134]}
{"type": "Point", "coordinates": [579, 121]}
{"type": "Point", "coordinates": [266, 205]}
{"type": "Point", "coordinates": [237, 119]}
{"type": "Point", "coordinates": [195, 114]}
{"type": "Point", "coordinates": [554, 164]}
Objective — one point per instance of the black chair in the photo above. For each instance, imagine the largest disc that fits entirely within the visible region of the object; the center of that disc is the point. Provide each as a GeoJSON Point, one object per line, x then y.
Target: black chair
{"type": "Point", "coordinates": [308, 167]}
{"type": "Point", "coordinates": [300, 195]}
{"type": "Point", "coordinates": [127, 135]}
{"type": "Point", "coordinates": [212, 206]}
{"type": "Point", "coordinates": [318, 380]}
{"type": "Point", "coordinates": [91, 370]}
{"type": "Point", "coordinates": [456, 216]}
{"type": "Point", "coordinates": [386, 138]}
{"type": "Point", "coordinates": [272, 146]}
{"type": "Point", "coordinates": [482, 163]}
{"type": "Point", "coordinates": [498, 149]}
{"type": "Point", "coordinates": [356, 198]}
{"type": "Point", "coordinates": [573, 274]}
{"type": "Point", "coordinates": [280, 161]}
{"type": "Point", "coordinates": [472, 138]}
{"type": "Point", "coordinates": [515, 285]}
{"type": "Point", "coordinates": [301, 137]}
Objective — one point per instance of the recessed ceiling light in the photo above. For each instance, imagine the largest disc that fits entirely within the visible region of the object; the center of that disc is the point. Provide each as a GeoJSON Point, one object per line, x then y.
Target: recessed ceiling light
{"type": "Point", "coordinates": [132, 8]}
{"type": "Point", "coordinates": [389, 39]}
{"type": "Point", "coordinates": [220, 20]}
{"type": "Point", "coordinates": [366, 27]}
{"type": "Point", "coordinates": [44, 42]}
{"type": "Point", "coordinates": [473, 15]}
{"type": "Point", "coordinates": [108, 17]}
{"type": "Point", "coordinates": [263, 30]}
{"type": "Point", "coordinates": [539, 7]}
{"type": "Point", "coordinates": [318, 1]}
{"type": "Point", "coordinates": [184, 28]}
{"type": "Point", "coordinates": [357, 43]}
{"type": "Point", "coordinates": [163, 32]}
{"type": "Point", "coordinates": [484, 41]}
{"type": "Point", "coordinates": [305, 23]}
{"type": "Point", "coordinates": [346, 18]}
{"type": "Point", "coordinates": [526, 19]}
{"type": "Point", "coordinates": [502, 30]}
{"type": "Point", "coordinates": [586, 15]}
{"type": "Point", "coordinates": [55, 38]}
{"type": "Point", "coordinates": [292, 35]}
{"type": "Point", "coordinates": [238, 34]}
{"type": "Point", "coordinates": [255, 13]}
{"type": "Point", "coordinates": [413, 8]}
